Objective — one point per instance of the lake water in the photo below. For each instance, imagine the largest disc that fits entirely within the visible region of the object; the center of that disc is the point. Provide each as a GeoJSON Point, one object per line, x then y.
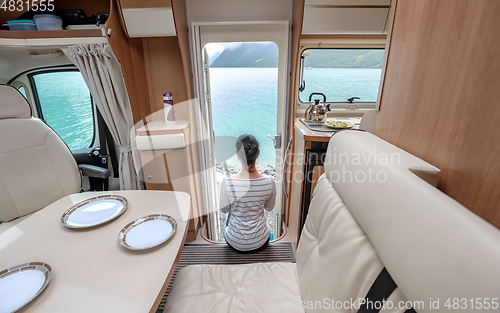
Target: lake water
{"type": "Point", "coordinates": [244, 100]}
{"type": "Point", "coordinates": [66, 106]}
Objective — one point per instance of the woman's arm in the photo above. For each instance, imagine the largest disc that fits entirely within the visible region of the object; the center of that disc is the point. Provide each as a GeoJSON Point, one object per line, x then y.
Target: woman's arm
{"type": "Point", "coordinates": [224, 204]}
{"type": "Point", "coordinates": [269, 205]}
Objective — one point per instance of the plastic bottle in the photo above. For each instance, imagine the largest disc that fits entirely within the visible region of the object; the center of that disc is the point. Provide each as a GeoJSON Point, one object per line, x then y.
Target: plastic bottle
{"type": "Point", "coordinates": [168, 108]}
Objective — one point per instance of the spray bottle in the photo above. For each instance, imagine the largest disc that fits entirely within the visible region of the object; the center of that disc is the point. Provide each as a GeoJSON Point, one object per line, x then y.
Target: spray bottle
{"type": "Point", "coordinates": [168, 108]}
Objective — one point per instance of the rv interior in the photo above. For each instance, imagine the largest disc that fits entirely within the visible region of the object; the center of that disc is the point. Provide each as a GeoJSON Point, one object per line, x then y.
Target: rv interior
{"type": "Point", "coordinates": [370, 181]}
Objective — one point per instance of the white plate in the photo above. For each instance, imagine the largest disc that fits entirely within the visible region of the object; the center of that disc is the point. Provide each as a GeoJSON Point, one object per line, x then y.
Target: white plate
{"type": "Point", "coordinates": [348, 127]}
{"type": "Point", "coordinates": [147, 232]}
{"type": "Point", "coordinates": [20, 284]}
{"type": "Point", "coordinates": [94, 211]}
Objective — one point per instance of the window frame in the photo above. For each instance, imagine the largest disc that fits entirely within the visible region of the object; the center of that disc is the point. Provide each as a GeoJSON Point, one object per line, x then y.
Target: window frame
{"type": "Point", "coordinates": [336, 104]}
{"type": "Point", "coordinates": [36, 99]}
{"type": "Point", "coordinates": [18, 85]}
{"type": "Point", "coordinates": [340, 42]}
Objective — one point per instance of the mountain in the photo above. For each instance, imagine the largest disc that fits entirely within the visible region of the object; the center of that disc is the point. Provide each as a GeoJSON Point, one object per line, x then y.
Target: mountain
{"type": "Point", "coordinates": [348, 58]}
{"type": "Point", "coordinates": [266, 55]}
{"type": "Point", "coordinates": [248, 54]}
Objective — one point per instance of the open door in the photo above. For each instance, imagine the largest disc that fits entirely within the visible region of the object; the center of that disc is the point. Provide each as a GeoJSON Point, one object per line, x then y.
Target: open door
{"type": "Point", "coordinates": [241, 98]}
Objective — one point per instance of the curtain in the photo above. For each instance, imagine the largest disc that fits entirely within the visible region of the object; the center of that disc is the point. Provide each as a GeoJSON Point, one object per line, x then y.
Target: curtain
{"type": "Point", "coordinates": [103, 75]}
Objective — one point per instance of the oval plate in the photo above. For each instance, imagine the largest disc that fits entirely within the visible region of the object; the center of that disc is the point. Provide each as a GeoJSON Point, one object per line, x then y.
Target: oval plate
{"type": "Point", "coordinates": [334, 127]}
{"type": "Point", "coordinates": [20, 284]}
{"type": "Point", "coordinates": [147, 232]}
{"type": "Point", "coordinates": [94, 211]}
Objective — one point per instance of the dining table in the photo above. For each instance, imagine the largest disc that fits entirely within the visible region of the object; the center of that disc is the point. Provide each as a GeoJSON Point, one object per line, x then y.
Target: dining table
{"type": "Point", "coordinates": [91, 271]}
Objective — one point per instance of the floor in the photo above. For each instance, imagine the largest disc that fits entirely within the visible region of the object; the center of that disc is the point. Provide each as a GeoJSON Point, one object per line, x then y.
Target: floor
{"type": "Point", "coordinates": [200, 240]}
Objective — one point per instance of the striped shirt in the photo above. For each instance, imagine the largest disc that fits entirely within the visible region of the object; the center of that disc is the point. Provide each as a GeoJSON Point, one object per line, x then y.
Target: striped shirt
{"type": "Point", "coordinates": [247, 199]}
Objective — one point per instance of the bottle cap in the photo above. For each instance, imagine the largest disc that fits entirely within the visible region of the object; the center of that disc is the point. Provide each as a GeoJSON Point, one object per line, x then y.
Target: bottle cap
{"type": "Point", "coordinates": [167, 96]}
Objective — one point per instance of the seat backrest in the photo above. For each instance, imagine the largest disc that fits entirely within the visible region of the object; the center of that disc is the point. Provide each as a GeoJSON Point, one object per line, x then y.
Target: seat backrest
{"type": "Point", "coordinates": [376, 206]}
{"type": "Point", "coordinates": [36, 166]}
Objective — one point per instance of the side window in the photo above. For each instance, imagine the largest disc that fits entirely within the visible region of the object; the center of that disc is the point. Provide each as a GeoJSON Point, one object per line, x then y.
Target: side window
{"type": "Point", "coordinates": [23, 91]}
{"type": "Point", "coordinates": [65, 104]}
{"type": "Point", "coordinates": [341, 74]}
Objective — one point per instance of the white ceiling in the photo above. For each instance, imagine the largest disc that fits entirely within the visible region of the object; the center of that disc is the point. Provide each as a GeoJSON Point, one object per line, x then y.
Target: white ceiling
{"type": "Point", "coordinates": [16, 60]}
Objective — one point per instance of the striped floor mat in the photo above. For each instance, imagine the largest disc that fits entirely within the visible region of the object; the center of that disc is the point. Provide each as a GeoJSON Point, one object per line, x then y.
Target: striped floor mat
{"type": "Point", "coordinates": [222, 254]}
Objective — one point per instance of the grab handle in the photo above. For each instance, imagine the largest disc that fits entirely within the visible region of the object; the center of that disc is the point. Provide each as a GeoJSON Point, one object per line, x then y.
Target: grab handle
{"type": "Point", "coordinates": [318, 94]}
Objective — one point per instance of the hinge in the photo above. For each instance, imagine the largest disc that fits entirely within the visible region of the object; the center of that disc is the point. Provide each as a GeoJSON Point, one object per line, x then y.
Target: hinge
{"type": "Point", "coordinates": [212, 159]}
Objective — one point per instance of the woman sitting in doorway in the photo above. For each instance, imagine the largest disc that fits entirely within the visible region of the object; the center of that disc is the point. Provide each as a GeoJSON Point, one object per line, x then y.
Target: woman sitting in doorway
{"type": "Point", "coordinates": [245, 196]}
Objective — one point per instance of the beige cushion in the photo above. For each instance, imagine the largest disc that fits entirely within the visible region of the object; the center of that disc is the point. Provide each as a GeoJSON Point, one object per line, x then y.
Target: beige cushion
{"type": "Point", "coordinates": [432, 246]}
{"type": "Point", "coordinates": [36, 166]}
{"type": "Point", "coordinates": [261, 287]}
{"type": "Point", "coordinates": [368, 121]}
{"type": "Point", "coordinates": [335, 258]}
{"type": "Point", "coordinates": [13, 104]}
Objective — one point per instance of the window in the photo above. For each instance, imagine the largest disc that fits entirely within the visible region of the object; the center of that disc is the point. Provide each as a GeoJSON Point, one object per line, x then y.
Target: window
{"type": "Point", "coordinates": [22, 91]}
{"type": "Point", "coordinates": [341, 74]}
{"type": "Point", "coordinates": [64, 103]}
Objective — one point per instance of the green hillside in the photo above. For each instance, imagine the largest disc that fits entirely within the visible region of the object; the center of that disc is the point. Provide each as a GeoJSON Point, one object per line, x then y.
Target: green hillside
{"type": "Point", "coordinates": [248, 55]}
{"type": "Point", "coordinates": [347, 58]}
{"type": "Point", "coordinates": [266, 55]}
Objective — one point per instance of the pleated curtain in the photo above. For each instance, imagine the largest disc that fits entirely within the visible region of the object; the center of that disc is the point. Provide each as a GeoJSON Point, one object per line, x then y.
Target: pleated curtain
{"type": "Point", "coordinates": [103, 75]}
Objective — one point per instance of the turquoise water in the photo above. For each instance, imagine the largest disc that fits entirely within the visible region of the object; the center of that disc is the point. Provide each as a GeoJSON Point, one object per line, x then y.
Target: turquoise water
{"type": "Point", "coordinates": [339, 84]}
{"type": "Point", "coordinates": [66, 106]}
{"type": "Point", "coordinates": [244, 100]}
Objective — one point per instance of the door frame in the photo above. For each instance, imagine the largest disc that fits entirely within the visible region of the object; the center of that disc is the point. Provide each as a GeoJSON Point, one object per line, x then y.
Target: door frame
{"type": "Point", "coordinates": [206, 32]}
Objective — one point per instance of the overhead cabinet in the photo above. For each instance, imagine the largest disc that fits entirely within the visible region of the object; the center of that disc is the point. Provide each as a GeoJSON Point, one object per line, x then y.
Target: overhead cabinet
{"type": "Point", "coordinates": [151, 18]}
{"type": "Point", "coordinates": [345, 17]}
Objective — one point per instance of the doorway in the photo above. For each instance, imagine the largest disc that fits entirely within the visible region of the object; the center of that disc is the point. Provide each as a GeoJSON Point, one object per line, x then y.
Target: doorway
{"type": "Point", "coordinates": [242, 88]}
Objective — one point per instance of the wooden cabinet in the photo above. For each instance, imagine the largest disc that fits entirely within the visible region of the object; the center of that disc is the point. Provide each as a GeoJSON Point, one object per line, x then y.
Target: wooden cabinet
{"type": "Point", "coordinates": [167, 165]}
{"type": "Point", "coordinates": [149, 18]}
{"type": "Point", "coordinates": [308, 146]}
{"type": "Point", "coordinates": [309, 153]}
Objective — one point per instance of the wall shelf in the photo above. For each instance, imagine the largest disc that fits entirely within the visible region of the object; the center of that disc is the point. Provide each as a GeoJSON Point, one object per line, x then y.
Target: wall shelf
{"type": "Point", "coordinates": [47, 38]}
{"type": "Point", "coordinates": [76, 33]}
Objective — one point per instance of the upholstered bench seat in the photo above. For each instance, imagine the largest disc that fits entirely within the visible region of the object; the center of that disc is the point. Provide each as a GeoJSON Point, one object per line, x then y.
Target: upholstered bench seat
{"type": "Point", "coordinates": [392, 238]}
{"type": "Point", "coordinates": [261, 287]}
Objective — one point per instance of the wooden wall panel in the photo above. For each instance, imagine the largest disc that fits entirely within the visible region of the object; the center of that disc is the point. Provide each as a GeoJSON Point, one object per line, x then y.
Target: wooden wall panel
{"type": "Point", "coordinates": [440, 100]}
{"type": "Point", "coordinates": [165, 73]}
{"type": "Point", "coordinates": [182, 28]}
{"type": "Point", "coordinates": [297, 19]}
{"type": "Point", "coordinates": [152, 66]}
{"type": "Point", "coordinates": [130, 53]}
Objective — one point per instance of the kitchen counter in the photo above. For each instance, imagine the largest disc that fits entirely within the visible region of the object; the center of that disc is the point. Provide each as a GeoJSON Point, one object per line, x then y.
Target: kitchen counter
{"type": "Point", "coordinates": [308, 151]}
{"type": "Point", "coordinates": [311, 135]}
